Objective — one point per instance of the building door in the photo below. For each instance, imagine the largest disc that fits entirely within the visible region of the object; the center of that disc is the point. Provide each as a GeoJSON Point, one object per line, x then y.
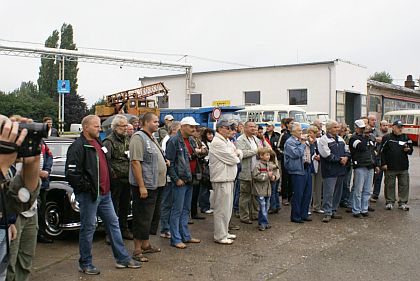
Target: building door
{"type": "Point", "coordinates": [353, 108]}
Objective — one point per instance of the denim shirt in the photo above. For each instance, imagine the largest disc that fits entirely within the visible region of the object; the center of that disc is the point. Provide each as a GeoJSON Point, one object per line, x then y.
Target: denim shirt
{"type": "Point", "coordinates": [293, 156]}
{"type": "Point", "coordinates": [177, 154]}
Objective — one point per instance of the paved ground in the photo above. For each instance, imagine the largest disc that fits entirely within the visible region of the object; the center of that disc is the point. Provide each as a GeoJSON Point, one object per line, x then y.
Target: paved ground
{"type": "Point", "coordinates": [384, 246]}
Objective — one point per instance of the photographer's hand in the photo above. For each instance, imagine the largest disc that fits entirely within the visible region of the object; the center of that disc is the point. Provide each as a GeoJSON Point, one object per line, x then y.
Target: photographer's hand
{"type": "Point", "coordinates": [9, 134]}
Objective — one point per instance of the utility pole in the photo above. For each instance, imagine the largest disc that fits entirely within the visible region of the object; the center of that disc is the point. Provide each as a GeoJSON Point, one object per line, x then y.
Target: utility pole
{"type": "Point", "coordinates": [61, 96]}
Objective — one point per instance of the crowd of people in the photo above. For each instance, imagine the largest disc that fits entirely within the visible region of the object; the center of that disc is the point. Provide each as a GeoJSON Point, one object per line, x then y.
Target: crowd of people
{"type": "Point", "coordinates": [169, 173]}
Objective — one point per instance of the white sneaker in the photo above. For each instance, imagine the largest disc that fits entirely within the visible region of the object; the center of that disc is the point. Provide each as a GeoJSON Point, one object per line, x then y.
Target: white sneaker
{"type": "Point", "coordinates": [389, 206]}
{"type": "Point", "coordinates": [209, 211]}
{"type": "Point", "coordinates": [404, 207]}
{"type": "Point", "coordinates": [225, 241]}
{"type": "Point", "coordinates": [231, 236]}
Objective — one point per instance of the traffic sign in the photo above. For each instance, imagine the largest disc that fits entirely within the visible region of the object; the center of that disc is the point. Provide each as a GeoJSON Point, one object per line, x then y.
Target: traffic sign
{"type": "Point", "coordinates": [216, 113]}
{"type": "Point", "coordinates": [63, 86]}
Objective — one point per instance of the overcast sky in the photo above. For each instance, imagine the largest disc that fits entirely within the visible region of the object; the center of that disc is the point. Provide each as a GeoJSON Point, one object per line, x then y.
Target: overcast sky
{"type": "Point", "coordinates": [380, 34]}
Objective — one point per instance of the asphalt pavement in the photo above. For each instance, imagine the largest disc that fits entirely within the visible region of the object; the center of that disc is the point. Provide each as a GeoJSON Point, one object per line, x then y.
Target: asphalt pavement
{"type": "Point", "coordinates": [384, 246]}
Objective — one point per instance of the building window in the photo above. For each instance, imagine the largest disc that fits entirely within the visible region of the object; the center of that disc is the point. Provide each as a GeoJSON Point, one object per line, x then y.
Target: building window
{"type": "Point", "coordinates": [298, 97]}
{"type": "Point", "coordinates": [195, 100]}
{"type": "Point", "coordinates": [163, 102]}
{"type": "Point", "coordinates": [252, 97]}
{"type": "Point", "coordinates": [374, 104]}
{"type": "Point", "coordinates": [340, 109]}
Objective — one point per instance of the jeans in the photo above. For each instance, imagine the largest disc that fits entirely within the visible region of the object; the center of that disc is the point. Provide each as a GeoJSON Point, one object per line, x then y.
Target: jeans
{"type": "Point", "coordinates": [275, 199]}
{"type": "Point", "coordinates": [236, 193]}
{"type": "Point", "coordinates": [377, 182]}
{"type": "Point", "coordinates": [204, 196]}
{"type": "Point", "coordinates": [180, 211]}
{"type": "Point", "coordinates": [332, 189]}
{"type": "Point", "coordinates": [301, 198]}
{"type": "Point", "coordinates": [104, 208]}
{"type": "Point", "coordinates": [264, 203]}
{"type": "Point", "coordinates": [347, 194]}
{"type": "Point", "coordinates": [165, 208]}
{"type": "Point", "coordinates": [3, 252]}
{"type": "Point", "coordinates": [363, 178]}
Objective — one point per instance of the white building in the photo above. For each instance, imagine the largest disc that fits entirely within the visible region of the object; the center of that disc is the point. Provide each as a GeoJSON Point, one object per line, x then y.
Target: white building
{"type": "Point", "coordinates": [337, 87]}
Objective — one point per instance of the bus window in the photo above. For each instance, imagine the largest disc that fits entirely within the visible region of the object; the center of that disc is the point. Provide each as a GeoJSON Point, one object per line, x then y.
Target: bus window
{"type": "Point", "coordinates": [323, 117]}
{"type": "Point", "coordinates": [243, 117]}
{"type": "Point", "coordinates": [281, 115]}
{"type": "Point", "coordinates": [268, 116]}
{"type": "Point", "coordinates": [311, 118]}
{"type": "Point", "coordinates": [410, 119]}
{"type": "Point", "coordinates": [254, 116]}
{"type": "Point", "coordinates": [299, 116]}
{"type": "Point", "coordinates": [404, 119]}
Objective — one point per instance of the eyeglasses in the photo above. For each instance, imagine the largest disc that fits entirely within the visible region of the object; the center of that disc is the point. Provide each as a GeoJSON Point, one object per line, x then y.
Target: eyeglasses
{"type": "Point", "coordinates": [124, 126]}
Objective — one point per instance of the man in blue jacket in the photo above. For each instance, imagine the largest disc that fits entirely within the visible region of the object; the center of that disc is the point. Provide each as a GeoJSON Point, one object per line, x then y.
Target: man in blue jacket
{"type": "Point", "coordinates": [297, 159]}
{"type": "Point", "coordinates": [334, 156]}
{"type": "Point", "coordinates": [179, 152]}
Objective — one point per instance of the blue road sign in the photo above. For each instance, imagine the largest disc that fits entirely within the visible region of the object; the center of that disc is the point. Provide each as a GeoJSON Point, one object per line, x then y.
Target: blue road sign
{"type": "Point", "coordinates": [63, 86]}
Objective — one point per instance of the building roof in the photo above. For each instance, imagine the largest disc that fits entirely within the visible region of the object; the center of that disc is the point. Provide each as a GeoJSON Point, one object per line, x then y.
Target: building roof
{"type": "Point", "coordinates": [392, 87]}
{"type": "Point", "coordinates": [256, 68]}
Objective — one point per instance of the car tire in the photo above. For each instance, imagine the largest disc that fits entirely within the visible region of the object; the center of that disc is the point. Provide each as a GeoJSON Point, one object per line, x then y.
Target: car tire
{"type": "Point", "coordinates": [53, 217]}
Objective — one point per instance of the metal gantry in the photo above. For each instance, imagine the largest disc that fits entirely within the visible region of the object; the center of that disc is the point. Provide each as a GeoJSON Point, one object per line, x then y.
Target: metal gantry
{"type": "Point", "coordinates": [62, 55]}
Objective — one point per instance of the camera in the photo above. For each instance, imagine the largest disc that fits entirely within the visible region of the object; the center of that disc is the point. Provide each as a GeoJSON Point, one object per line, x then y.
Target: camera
{"type": "Point", "coordinates": [31, 144]}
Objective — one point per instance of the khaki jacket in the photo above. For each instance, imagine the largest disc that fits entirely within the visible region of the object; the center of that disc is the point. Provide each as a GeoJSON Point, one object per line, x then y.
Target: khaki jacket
{"type": "Point", "coordinates": [222, 160]}
{"type": "Point", "coordinates": [244, 145]}
{"type": "Point", "coordinates": [261, 184]}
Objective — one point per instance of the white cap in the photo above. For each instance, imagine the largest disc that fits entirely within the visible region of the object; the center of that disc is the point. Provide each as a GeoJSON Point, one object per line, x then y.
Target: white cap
{"type": "Point", "coordinates": [189, 121]}
{"type": "Point", "coordinates": [360, 123]}
{"type": "Point", "coordinates": [169, 117]}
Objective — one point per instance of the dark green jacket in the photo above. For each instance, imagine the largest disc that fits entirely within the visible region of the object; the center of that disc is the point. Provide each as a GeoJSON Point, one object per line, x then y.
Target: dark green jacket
{"type": "Point", "coordinates": [118, 147]}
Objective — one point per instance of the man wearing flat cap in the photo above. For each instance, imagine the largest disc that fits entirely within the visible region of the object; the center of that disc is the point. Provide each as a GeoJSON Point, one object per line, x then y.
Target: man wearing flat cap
{"type": "Point", "coordinates": [396, 147]}
{"type": "Point", "coordinates": [223, 160]}
{"type": "Point", "coordinates": [163, 131]}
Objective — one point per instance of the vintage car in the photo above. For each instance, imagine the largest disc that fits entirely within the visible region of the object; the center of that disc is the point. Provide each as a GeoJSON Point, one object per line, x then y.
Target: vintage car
{"type": "Point", "coordinates": [62, 209]}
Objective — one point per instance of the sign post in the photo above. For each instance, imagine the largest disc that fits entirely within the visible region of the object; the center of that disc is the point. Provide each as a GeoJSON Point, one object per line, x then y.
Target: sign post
{"type": "Point", "coordinates": [63, 87]}
{"type": "Point", "coordinates": [216, 113]}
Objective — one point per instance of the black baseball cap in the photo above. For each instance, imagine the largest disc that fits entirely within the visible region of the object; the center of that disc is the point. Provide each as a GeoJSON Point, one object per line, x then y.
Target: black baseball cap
{"type": "Point", "coordinates": [397, 123]}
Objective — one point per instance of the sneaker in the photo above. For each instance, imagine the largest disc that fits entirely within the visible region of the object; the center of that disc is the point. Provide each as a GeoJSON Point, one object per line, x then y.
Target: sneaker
{"type": "Point", "coordinates": [166, 235]}
{"type": "Point", "coordinates": [89, 270]}
{"type": "Point", "coordinates": [209, 211]}
{"type": "Point", "coordinates": [234, 226]}
{"type": "Point", "coordinates": [231, 236]}
{"type": "Point", "coordinates": [336, 217]}
{"type": "Point", "coordinates": [389, 206]}
{"type": "Point", "coordinates": [318, 211]}
{"type": "Point", "coordinates": [225, 241]}
{"type": "Point", "coordinates": [261, 228]}
{"type": "Point", "coordinates": [365, 214]}
{"type": "Point", "coordinates": [326, 219]}
{"type": "Point", "coordinates": [130, 264]}
{"type": "Point", "coordinates": [358, 215]}
{"type": "Point", "coordinates": [404, 207]}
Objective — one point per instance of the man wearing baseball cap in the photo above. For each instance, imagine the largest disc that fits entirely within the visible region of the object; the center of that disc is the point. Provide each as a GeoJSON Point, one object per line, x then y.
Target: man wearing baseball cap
{"type": "Point", "coordinates": [179, 152]}
{"type": "Point", "coordinates": [163, 131]}
{"type": "Point", "coordinates": [396, 147]}
{"type": "Point", "coordinates": [362, 149]}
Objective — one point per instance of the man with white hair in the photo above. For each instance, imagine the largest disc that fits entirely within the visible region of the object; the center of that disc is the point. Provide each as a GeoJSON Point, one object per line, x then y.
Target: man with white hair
{"type": "Point", "coordinates": [334, 157]}
{"type": "Point", "coordinates": [377, 179]}
{"type": "Point", "coordinates": [117, 144]}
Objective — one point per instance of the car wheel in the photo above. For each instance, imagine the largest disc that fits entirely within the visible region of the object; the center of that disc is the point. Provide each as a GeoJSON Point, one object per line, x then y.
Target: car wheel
{"type": "Point", "coordinates": [53, 217]}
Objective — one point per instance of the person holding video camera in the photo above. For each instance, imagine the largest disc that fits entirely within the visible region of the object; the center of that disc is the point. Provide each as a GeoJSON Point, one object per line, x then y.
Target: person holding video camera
{"type": "Point", "coordinates": [19, 194]}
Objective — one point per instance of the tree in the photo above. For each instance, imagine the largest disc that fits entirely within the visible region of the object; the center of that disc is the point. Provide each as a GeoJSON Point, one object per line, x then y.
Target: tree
{"type": "Point", "coordinates": [75, 107]}
{"type": "Point", "coordinates": [100, 101]}
{"type": "Point", "coordinates": [382, 77]}
{"type": "Point", "coordinates": [48, 71]}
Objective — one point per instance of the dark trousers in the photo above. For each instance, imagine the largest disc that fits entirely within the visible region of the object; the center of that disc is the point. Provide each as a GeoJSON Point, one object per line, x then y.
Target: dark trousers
{"type": "Point", "coordinates": [302, 192]}
{"type": "Point", "coordinates": [121, 195]}
{"type": "Point", "coordinates": [42, 199]}
{"type": "Point", "coordinates": [286, 188]}
{"type": "Point", "coordinates": [144, 213]}
{"type": "Point", "coordinates": [194, 199]}
{"type": "Point", "coordinates": [377, 182]}
{"type": "Point", "coordinates": [204, 196]}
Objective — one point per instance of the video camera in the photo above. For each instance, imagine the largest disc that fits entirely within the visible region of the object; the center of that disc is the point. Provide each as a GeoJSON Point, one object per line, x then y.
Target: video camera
{"type": "Point", "coordinates": [31, 145]}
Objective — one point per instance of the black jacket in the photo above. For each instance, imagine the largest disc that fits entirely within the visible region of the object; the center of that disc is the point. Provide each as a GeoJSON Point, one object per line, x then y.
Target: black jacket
{"type": "Point", "coordinates": [82, 167]}
{"type": "Point", "coordinates": [362, 150]}
{"type": "Point", "coordinates": [285, 134]}
{"type": "Point", "coordinates": [393, 154]}
{"type": "Point", "coordinates": [274, 142]}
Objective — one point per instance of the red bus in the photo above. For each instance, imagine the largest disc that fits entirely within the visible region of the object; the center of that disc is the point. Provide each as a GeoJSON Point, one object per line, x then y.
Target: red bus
{"type": "Point", "coordinates": [411, 120]}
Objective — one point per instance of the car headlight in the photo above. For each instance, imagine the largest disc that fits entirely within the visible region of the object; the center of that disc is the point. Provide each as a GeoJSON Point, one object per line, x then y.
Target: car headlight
{"type": "Point", "coordinates": [73, 202]}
